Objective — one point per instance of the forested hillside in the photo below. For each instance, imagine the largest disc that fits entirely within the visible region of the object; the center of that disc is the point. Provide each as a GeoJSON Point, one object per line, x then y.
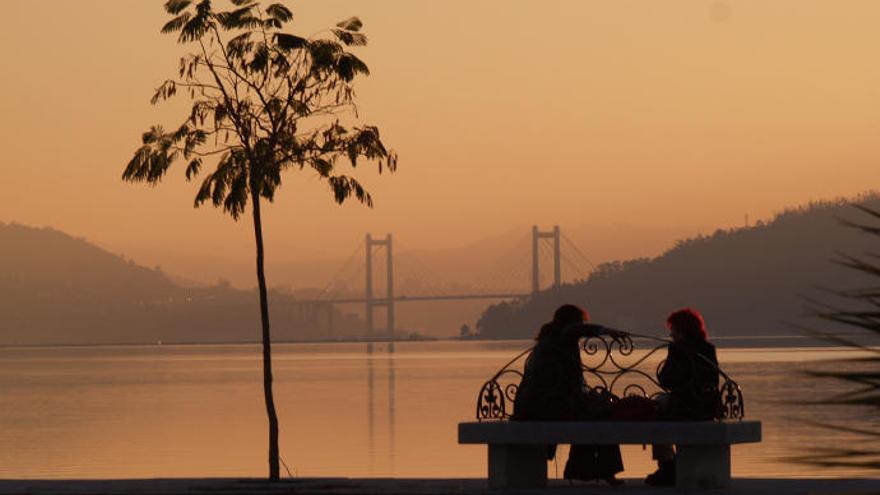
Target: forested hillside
{"type": "Point", "coordinates": [747, 281]}
{"type": "Point", "coordinates": [57, 289]}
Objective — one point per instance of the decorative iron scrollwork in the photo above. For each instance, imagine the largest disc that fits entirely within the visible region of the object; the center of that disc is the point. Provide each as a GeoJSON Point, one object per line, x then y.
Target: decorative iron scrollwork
{"type": "Point", "coordinates": [732, 405]}
{"type": "Point", "coordinates": [606, 366]}
{"type": "Point", "coordinates": [495, 402]}
{"type": "Point", "coordinates": [610, 366]}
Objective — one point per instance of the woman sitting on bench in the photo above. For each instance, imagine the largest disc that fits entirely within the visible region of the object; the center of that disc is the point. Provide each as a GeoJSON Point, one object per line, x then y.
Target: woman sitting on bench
{"type": "Point", "coordinates": [690, 374]}
{"type": "Point", "coordinates": [553, 388]}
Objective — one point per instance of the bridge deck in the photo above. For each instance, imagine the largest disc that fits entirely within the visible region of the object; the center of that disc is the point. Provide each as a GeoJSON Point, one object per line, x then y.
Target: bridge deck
{"type": "Point", "coordinates": [384, 300]}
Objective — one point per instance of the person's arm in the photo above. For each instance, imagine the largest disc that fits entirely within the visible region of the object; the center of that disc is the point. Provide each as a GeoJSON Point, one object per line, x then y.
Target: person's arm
{"type": "Point", "coordinates": [614, 333]}
{"type": "Point", "coordinates": [589, 330]}
{"type": "Point", "coordinates": [674, 372]}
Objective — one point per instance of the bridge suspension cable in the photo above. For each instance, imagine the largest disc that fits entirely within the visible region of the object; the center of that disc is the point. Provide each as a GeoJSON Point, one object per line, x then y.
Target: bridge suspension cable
{"type": "Point", "coordinates": [510, 269]}
{"type": "Point", "coordinates": [332, 287]}
{"type": "Point", "coordinates": [570, 244]}
{"type": "Point", "coordinates": [420, 271]}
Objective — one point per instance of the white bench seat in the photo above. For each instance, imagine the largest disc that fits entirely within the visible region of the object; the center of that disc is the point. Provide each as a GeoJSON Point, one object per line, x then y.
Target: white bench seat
{"type": "Point", "coordinates": [517, 449]}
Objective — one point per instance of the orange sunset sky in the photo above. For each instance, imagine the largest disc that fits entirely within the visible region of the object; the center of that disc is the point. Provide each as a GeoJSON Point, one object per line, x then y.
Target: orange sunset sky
{"type": "Point", "coordinates": [686, 114]}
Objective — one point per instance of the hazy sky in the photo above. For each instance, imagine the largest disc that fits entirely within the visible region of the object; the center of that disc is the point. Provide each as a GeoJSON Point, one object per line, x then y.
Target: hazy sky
{"type": "Point", "coordinates": [504, 114]}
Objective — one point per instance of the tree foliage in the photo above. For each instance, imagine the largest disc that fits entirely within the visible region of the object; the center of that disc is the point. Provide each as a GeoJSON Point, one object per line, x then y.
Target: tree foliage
{"type": "Point", "coordinates": [859, 379]}
{"type": "Point", "coordinates": [263, 101]}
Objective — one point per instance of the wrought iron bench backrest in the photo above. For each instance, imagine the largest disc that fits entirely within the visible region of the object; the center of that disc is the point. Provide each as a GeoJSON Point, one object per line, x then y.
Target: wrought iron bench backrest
{"type": "Point", "coordinates": [608, 367]}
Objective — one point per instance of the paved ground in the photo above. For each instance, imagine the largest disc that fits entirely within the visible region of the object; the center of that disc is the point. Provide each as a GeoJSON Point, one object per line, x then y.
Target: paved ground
{"type": "Point", "coordinates": [351, 486]}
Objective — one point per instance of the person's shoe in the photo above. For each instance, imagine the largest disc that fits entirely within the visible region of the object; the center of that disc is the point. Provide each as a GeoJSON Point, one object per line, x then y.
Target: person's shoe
{"type": "Point", "coordinates": [613, 480]}
{"type": "Point", "coordinates": [663, 476]}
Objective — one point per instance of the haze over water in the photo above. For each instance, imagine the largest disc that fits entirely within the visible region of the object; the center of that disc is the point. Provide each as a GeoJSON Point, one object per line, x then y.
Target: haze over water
{"type": "Point", "coordinates": [197, 411]}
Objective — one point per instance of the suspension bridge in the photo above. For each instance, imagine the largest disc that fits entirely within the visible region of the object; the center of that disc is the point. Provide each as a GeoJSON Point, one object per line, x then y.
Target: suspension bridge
{"type": "Point", "coordinates": [383, 294]}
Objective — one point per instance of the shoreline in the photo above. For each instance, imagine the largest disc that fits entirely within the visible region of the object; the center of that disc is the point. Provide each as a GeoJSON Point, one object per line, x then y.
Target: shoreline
{"type": "Point", "coordinates": [734, 342]}
{"type": "Point", "coordinates": [414, 486]}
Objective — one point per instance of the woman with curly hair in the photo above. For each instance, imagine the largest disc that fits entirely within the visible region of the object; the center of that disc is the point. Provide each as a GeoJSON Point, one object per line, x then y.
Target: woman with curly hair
{"type": "Point", "coordinates": [690, 376]}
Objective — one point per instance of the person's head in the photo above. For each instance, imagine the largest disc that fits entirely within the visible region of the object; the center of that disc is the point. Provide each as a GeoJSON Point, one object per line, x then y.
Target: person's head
{"type": "Point", "coordinates": [686, 324]}
{"type": "Point", "coordinates": [567, 314]}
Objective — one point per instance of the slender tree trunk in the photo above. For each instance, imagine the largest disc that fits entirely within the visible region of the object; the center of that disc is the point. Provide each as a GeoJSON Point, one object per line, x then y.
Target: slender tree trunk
{"type": "Point", "coordinates": [274, 472]}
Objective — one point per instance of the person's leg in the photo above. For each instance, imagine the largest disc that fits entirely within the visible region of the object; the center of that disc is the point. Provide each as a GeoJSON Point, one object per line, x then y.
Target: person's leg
{"type": "Point", "coordinates": [609, 462]}
{"type": "Point", "coordinates": [664, 454]}
{"type": "Point", "coordinates": [581, 464]}
{"type": "Point", "coordinates": [663, 476]}
{"type": "Point", "coordinates": [551, 451]}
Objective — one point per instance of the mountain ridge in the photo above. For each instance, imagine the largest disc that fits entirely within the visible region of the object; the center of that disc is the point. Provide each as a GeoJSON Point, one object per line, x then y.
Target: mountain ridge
{"type": "Point", "coordinates": [746, 281]}
{"type": "Point", "coordinates": [58, 289]}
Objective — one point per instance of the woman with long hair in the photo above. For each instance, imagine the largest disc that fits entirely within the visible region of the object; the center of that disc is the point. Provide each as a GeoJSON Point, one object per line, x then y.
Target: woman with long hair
{"type": "Point", "coordinates": [553, 389]}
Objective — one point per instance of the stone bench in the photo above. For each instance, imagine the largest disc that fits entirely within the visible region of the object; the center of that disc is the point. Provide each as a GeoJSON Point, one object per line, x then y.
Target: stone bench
{"type": "Point", "coordinates": [614, 368]}
{"type": "Point", "coordinates": [518, 449]}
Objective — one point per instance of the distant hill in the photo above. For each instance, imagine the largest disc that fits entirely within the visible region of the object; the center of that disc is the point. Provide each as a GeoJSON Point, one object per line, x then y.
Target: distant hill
{"type": "Point", "coordinates": [54, 262]}
{"type": "Point", "coordinates": [57, 289]}
{"type": "Point", "coordinates": [746, 281]}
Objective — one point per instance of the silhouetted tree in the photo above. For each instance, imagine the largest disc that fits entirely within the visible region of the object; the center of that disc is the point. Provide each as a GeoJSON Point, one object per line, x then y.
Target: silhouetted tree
{"type": "Point", "coordinates": [860, 379]}
{"type": "Point", "coordinates": [263, 101]}
{"type": "Point", "coordinates": [465, 332]}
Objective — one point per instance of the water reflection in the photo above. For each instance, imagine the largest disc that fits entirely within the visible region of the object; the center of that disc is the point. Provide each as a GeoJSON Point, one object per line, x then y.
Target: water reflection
{"type": "Point", "coordinates": [197, 411]}
{"type": "Point", "coordinates": [371, 405]}
{"type": "Point", "coordinates": [391, 416]}
{"type": "Point", "coordinates": [371, 414]}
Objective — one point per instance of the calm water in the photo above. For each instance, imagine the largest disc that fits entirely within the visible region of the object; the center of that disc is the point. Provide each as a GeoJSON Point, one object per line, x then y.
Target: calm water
{"type": "Point", "coordinates": [196, 411]}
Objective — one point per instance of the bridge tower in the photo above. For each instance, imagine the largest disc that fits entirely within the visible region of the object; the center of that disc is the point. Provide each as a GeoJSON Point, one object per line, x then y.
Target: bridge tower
{"type": "Point", "coordinates": [371, 301]}
{"type": "Point", "coordinates": [554, 235]}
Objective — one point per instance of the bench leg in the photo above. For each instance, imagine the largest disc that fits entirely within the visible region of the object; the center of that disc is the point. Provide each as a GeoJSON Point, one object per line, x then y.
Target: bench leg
{"type": "Point", "coordinates": [517, 466]}
{"type": "Point", "coordinates": [702, 466]}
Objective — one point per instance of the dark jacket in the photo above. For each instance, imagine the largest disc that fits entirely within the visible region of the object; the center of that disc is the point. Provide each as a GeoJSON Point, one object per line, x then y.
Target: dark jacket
{"type": "Point", "coordinates": [553, 387]}
{"type": "Point", "coordinates": [690, 374]}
